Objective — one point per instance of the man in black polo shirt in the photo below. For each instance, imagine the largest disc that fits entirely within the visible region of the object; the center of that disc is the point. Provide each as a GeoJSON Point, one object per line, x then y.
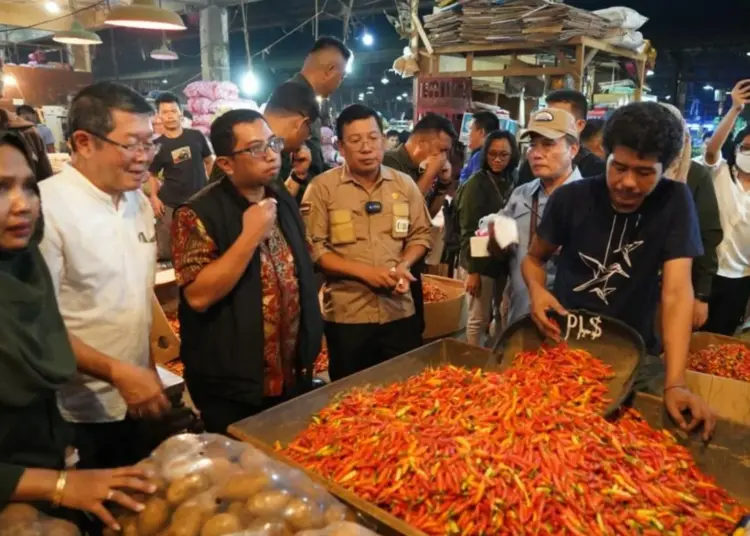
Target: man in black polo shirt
{"type": "Point", "coordinates": [615, 235]}
{"type": "Point", "coordinates": [574, 102]}
{"type": "Point", "coordinates": [424, 157]}
{"type": "Point", "coordinates": [322, 73]}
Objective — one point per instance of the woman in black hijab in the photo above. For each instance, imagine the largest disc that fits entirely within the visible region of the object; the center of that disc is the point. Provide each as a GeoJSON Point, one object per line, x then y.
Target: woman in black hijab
{"type": "Point", "coordinates": [35, 360]}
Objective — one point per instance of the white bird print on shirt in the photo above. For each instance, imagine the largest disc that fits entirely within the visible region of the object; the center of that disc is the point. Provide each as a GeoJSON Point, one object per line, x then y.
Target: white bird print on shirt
{"type": "Point", "coordinates": [602, 272]}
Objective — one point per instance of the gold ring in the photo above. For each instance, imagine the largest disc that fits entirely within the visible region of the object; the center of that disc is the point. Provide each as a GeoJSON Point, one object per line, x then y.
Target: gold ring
{"type": "Point", "coordinates": [110, 495]}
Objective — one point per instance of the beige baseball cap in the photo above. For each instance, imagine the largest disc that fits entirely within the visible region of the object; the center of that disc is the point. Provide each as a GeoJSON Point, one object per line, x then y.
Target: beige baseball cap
{"type": "Point", "coordinates": [551, 123]}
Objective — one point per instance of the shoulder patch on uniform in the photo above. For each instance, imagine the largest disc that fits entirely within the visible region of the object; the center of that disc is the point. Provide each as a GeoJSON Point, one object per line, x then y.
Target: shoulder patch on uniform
{"type": "Point", "coordinates": [305, 208]}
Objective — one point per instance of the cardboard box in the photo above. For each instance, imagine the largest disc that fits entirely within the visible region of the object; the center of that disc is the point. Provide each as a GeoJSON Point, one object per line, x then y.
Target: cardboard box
{"type": "Point", "coordinates": [446, 317]}
{"type": "Point", "coordinates": [729, 398]}
{"type": "Point", "coordinates": [165, 344]}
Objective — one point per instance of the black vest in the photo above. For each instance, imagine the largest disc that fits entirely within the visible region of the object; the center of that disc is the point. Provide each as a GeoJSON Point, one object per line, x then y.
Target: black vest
{"type": "Point", "coordinates": [222, 348]}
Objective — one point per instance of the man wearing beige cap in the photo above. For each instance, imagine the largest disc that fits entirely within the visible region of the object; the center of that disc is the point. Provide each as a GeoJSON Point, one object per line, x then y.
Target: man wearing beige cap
{"type": "Point", "coordinates": [553, 144]}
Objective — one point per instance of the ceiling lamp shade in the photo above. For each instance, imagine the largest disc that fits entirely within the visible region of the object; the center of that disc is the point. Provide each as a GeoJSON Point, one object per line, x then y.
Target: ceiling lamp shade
{"type": "Point", "coordinates": [77, 35]}
{"type": "Point", "coordinates": [145, 15]}
{"type": "Point", "coordinates": [164, 53]}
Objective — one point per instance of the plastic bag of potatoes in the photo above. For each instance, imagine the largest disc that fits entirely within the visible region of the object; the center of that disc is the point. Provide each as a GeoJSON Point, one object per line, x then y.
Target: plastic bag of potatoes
{"type": "Point", "coordinates": [209, 485]}
{"type": "Point", "coordinates": [20, 519]}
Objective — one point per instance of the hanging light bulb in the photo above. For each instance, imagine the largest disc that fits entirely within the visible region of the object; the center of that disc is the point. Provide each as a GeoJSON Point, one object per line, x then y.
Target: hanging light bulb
{"type": "Point", "coordinates": [250, 84]}
{"type": "Point", "coordinates": [52, 7]}
{"type": "Point", "coordinates": [164, 53]}
{"type": "Point", "coordinates": [145, 15]}
{"type": "Point", "coordinates": [367, 39]}
{"type": "Point", "coordinates": [384, 80]}
{"type": "Point", "coordinates": [77, 35]}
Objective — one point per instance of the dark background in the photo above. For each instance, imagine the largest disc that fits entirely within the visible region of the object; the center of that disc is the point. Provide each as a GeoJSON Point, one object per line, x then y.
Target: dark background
{"type": "Point", "coordinates": [699, 42]}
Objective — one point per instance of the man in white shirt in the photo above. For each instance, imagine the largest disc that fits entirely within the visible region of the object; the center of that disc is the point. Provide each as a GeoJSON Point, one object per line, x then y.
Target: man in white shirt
{"type": "Point", "coordinates": [100, 246]}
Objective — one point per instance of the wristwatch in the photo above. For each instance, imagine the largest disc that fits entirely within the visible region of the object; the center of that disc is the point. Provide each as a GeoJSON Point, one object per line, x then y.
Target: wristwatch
{"type": "Point", "coordinates": [702, 297]}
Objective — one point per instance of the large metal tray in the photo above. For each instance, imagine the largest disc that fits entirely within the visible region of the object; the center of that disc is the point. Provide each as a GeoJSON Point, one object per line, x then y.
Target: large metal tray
{"type": "Point", "coordinates": [609, 339]}
{"type": "Point", "coordinates": [727, 457]}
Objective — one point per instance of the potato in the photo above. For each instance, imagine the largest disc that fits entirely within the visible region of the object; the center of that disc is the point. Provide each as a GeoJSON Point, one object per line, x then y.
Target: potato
{"type": "Point", "coordinates": [221, 524]}
{"type": "Point", "coordinates": [270, 526]}
{"type": "Point", "coordinates": [222, 469]}
{"type": "Point", "coordinates": [18, 513]}
{"type": "Point", "coordinates": [185, 488]}
{"type": "Point", "coordinates": [253, 460]}
{"type": "Point", "coordinates": [243, 487]}
{"type": "Point", "coordinates": [189, 523]}
{"type": "Point", "coordinates": [338, 512]}
{"type": "Point", "coordinates": [204, 505]}
{"type": "Point", "coordinates": [303, 515]}
{"type": "Point", "coordinates": [268, 503]}
{"type": "Point", "coordinates": [153, 517]}
{"type": "Point", "coordinates": [130, 528]}
{"type": "Point", "coordinates": [345, 528]}
{"type": "Point", "coordinates": [59, 527]}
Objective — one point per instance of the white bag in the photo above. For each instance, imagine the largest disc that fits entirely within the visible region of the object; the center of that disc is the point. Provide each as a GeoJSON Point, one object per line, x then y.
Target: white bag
{"type": "Point", "coordinates": [623, 17]}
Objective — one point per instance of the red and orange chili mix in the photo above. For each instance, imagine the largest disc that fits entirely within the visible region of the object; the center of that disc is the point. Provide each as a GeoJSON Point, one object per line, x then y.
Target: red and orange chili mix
{"type": "Point", "coordinates": [455, 451]}
{"type": "Point", "coordinates": [726, 360]}
{"type": "Point", "coordinates": [321, 362]}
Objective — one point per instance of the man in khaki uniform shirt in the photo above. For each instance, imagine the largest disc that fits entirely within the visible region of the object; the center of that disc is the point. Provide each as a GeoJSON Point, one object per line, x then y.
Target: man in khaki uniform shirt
{"type": "Point", "coordinates": [367, 224]}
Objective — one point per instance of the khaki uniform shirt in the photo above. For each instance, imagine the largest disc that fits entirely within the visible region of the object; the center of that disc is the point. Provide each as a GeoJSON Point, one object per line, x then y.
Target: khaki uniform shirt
{"type": "Point", "coordinates": [337, 222]}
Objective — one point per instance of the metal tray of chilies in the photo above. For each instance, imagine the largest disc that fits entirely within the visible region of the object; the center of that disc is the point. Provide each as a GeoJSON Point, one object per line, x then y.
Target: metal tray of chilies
{"type": "Point", "coordinates": [610, 340]}
{"type": "Point", "coordinates": [726, 458]}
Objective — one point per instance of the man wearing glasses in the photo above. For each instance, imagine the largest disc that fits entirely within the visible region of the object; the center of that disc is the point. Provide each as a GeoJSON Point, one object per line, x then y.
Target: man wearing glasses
{"type": "Point", "coordinates": [184, 160]}
{"type": "Point", "coordinates": [100, 248]}
{"type": "Point", "coordinates": [367, 226]}
{"type": "Point", "coordinates": [249, 313]}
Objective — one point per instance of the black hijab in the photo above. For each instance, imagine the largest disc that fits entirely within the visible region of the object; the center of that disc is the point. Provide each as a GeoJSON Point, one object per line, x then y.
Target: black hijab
{"type": "Point", "coordinates": [35, 353]}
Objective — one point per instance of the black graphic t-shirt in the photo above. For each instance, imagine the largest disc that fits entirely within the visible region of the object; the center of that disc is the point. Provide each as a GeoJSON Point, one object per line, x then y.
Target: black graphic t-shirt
{"type": "Point", "coordinates": [180, 160]}
{"type": "Point", "coordinates": [610, 262]}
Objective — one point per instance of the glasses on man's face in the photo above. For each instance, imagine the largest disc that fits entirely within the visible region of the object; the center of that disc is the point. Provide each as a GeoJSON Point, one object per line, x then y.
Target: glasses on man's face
{"type": "Point", "coordinates": [259, 149]}
{"type": "Point", "coordinates": [359, 143]}
{"type": "Point", "coordinates": [132, 149]}
{"type": "Point", "coordinates": [492, 155]}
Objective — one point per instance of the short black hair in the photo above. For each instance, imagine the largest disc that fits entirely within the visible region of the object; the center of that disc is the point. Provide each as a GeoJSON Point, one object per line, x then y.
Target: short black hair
{"type": "Point", "coordinates": [294, 98]}
{"type": "Point", "coordinates": [355, 112]}
{"type": "Point", "coordinates": [166, 97]}
{"type": "Point", "coordinates": [593, 128]}
{"type": "Point", "coordinates": [515, 154]}
{"type": "Point", "coordinates": [648, 128]}
{"type": "Point", "coordinates": [331, 42]}
{"type": "Point", "coordinates": [392, 133]}
{"type": "Point", "coordinates": [23, 108]}
{"type": "Point", "coordinates": [432, 122]}
{"type": "Point", "coordinates": [576, 99]}
{"type": "Point", "coordinates": [486, 121]}
{"type": "Point", "coordinates": [222, 129]}
{"type": "Point", "coordinates": [91, 108]}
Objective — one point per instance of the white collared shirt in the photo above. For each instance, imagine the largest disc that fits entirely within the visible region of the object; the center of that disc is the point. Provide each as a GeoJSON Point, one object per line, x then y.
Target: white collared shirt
{"type": "Point", "coordinates": [102, 259]}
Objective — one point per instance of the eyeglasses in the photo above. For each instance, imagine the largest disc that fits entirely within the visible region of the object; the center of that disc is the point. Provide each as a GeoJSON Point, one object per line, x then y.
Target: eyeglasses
{"type": "Point", "coordinates": [258, 150]}
{"type": "Point", "coordinates": [147, 148]}
{"type": "Point", "coordinates": [498, 156]}
{"type": "Point", "coordinates": [360, 143]}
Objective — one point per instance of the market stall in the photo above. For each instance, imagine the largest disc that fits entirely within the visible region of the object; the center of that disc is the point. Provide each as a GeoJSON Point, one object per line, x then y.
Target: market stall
{"type": "Point", "coordinates": [282, 427]}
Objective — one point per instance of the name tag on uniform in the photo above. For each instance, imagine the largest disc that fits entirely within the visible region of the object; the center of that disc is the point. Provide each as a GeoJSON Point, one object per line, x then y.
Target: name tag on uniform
{"type": "Point", "coordinates": [402, 225]}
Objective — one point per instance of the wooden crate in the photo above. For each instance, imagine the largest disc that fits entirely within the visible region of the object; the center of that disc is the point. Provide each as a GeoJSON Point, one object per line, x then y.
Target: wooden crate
{"type": "Point", "coordinates": [729, 398]}
{"type": "Point", "coordinates": [725, 458]}
{"type": "Point", "coordinates": [447, 317]}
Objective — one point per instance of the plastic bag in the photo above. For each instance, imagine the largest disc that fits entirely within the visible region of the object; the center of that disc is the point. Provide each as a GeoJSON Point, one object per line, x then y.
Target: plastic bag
{"type": "Point", "coordinates": [623, 17]}
{"type": "Point", "coordinates": [632, 40]}
{"type": "Point", "coordinates": [200, 105]}
{"type": "Point", "coordinates": [20, 519]}
{"type": "Point", "coordinates": [209, 485]}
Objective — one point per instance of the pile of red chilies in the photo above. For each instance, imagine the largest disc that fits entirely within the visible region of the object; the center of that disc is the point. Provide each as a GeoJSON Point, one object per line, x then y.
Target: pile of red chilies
{"type": "Point", "coordinates": [455, 451]}
{"type": "Point", "coordinates": [726, 360]}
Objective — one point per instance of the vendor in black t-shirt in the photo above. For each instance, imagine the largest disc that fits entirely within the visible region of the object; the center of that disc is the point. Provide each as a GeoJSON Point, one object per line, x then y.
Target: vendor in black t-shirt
{"type": "Point", "coordinates": [616, 234]}
{"type": "Point", "coordinates": [184, 161]}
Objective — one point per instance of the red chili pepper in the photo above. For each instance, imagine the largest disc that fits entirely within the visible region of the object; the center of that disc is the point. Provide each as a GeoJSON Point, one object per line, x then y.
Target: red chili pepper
{"type": "Point", "coordinates": [726, 360]}
{"type": "Point", "coordinates": [461, 451]}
